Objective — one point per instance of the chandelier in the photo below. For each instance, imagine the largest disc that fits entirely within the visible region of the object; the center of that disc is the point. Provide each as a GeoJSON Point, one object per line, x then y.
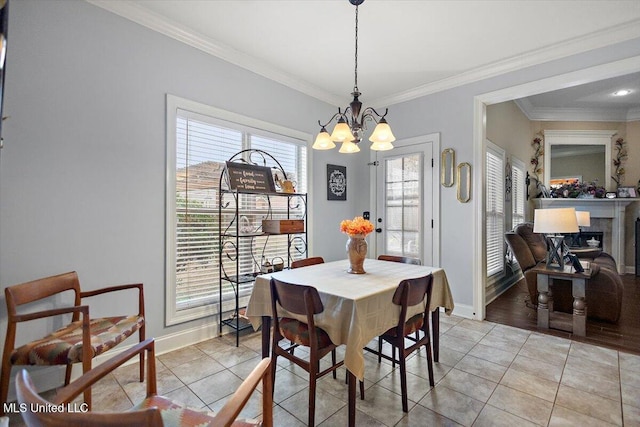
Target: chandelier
{"type": "Point", "coordinates": [350, 124]}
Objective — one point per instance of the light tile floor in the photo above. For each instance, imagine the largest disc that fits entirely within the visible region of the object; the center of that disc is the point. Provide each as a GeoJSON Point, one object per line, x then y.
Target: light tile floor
{"type": "Point", "coordinates": [488, 375]}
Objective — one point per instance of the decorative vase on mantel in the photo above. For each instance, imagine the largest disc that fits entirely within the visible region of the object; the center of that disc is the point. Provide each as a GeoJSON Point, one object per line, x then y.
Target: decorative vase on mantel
{"type": "Point", "coordinates": [357, 252]}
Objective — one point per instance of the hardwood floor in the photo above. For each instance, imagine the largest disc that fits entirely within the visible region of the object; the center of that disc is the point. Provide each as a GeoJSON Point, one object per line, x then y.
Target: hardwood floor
{"type": "Point", "coordinates": [510, 309]}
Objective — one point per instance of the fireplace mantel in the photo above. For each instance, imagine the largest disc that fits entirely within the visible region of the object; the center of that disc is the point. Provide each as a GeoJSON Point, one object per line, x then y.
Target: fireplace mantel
{"type": "Point", "coordinates": [613, 209]}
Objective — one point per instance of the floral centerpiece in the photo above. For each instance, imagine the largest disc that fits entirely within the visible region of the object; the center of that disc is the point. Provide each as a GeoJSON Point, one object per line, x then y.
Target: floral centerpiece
{"type": "Point", "coordinates": [578, 190]}
{"type": "Point", "coordinates": [357, 229]}
{"type": "Point", "coordinates": [357, 225]}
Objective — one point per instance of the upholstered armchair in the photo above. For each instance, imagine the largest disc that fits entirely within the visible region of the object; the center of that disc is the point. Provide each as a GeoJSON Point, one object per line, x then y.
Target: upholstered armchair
{"type": "Point", "coordinates": [604, 289]}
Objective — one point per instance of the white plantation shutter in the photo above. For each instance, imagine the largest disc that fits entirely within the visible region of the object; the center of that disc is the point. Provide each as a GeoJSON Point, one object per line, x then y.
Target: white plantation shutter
{"type": "Point", "coordinates": [518, 193]}
{"type": "Point", "coordinates": [494, 209]}
{"type": "Point", "coordinates": [202, 146]}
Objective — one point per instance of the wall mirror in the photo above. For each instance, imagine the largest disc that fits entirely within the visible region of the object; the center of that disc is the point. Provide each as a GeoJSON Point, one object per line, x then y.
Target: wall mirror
{"type": "Point", "coordinates": [447, 164]}
{"type": "Point", "coordinates": [464, 182]}
{"type": "Point", "coordinates": [577, 154]}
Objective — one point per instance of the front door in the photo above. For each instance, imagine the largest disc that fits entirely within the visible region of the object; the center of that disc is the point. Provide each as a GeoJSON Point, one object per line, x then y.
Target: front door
{"type": "Point", "coordinates": [405, 202]}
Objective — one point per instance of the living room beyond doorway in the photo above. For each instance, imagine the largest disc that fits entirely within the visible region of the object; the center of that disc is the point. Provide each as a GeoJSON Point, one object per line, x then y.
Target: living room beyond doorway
{"type": "Point", "coordinates": [510, 309]}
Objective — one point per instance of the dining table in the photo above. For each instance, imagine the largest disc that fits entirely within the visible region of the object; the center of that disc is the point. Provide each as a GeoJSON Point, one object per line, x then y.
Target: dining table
{"type": "Point", "coordinates": [357, 307]}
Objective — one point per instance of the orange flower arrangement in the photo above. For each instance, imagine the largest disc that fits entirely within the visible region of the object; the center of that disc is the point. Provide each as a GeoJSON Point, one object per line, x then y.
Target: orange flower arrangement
{"type": "Point", "coordinates": [357, 225]}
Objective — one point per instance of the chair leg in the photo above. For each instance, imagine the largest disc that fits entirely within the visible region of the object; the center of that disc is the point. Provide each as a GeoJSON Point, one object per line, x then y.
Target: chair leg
{"type": "Point", "coordinates": [361, 390]}
{"type": "Point", "coordinates": [333, 360]}
{"type": "Point", "coordinates": [141, 335]}
{"type": "Point", "coordinates": [379, 349]}
{"type": "Point", "coordinates": [430, 364]}
{"type": "Point", "coordinates": [67, 374]}
{"type": "Point", "coordinates": [403, 381]}
{"type": "Point", "coordinates": [393, 356]}
{"type": "Point", "coordinates": [274, 357]}
{"type": "Point", "coordinates": [313, 376]}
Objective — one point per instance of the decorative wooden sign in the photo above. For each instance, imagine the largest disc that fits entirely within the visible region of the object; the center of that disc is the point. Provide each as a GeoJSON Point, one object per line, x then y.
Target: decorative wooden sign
{"type": "Point", "coordinates": [247, 177]}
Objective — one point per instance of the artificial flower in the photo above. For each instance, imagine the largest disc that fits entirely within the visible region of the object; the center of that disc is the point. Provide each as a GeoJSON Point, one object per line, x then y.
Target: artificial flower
{"type": "Point", "coordinates": [357, 225]}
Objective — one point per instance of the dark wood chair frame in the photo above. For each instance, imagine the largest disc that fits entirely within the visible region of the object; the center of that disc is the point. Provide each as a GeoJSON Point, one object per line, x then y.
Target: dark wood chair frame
{"type": "Point", "coordinates": [300, 300]}
{"type": "Point", "coordinates": [307, 261]}
{"type": "Point", "coordinates": [151, 416]}
{"type": "Point", "coordinates": [40, 289]}
{"type": "Point", "coordinates": [403, 259]}
{"type": "Point", "coordinates": [410, 292]}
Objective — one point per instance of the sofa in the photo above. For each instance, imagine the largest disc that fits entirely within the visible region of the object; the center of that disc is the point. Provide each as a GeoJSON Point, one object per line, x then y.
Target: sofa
{"type": "Point", "coordinates": [604, 291]}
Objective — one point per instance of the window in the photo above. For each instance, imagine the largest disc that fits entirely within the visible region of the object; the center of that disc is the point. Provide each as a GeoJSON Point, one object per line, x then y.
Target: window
{"type": "Point", "coordinates": [494, 209]}
{"type": "Point", "coordinates": [200, 140]}
{"type": "Point", "coordinates": [518, 192]}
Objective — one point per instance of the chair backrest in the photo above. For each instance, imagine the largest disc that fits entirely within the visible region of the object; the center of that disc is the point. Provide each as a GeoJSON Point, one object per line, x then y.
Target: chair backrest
{"type": "Point", "coordinates": [403, 259]}
{"type": "Point", "coordinates": [28, 395]}
{"type": "Point", "coordinates": [145, 416]}
{"type": "Point", "coordinates": [307, 261]}
{"type": "Point", "coordinates": [411, 292]}
{"type": "Point", "coordinates": [297, 299]}
{"type": "Point", "coordinates": [35, 290]}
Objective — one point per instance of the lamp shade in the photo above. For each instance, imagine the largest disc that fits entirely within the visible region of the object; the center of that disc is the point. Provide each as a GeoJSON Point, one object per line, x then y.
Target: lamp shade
{"type": "Point", "coordinates": [323, 141]}
{"type": "Point", "coordinates": [342, 132]}
{"type": "Point", "coordinates": [555, 221]}
{"type": "Point", "coordinates": [584, 218]}
{"type": "Point", "coordinates": [349, 147]}
{"type": "Point", "coordinates": [382, 137]}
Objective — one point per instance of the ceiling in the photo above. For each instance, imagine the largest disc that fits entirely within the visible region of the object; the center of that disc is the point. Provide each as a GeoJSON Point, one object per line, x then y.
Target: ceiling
{"type": "Point", "coordinates": [406, 48]}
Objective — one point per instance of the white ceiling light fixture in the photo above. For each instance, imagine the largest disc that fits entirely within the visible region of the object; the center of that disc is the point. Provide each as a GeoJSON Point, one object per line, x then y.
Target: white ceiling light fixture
{"type": "Point", "coordinates": [351, 123]}
{"type": "Point", "coordinates": [622, 92]}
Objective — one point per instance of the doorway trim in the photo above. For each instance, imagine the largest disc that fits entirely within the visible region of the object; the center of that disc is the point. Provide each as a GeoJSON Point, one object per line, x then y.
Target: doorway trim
{"type": "Point", "coordinates": [480, 102]}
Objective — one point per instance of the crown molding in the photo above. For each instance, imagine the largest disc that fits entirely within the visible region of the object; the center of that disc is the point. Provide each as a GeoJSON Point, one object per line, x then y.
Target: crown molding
{"type": "Point", "coordinates": [542, 114]}
{"type": "Point", "coordinates": [598, 39]}
{"type": "Point", "coordinates": [160, 24]}
{"type": "Point", "coordinates": [633, 115]}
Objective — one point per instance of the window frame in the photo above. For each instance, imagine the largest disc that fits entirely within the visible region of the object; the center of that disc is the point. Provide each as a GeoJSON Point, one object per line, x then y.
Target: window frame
{"type": "Point", "coordinates": [174, 103]}
{"type": "Point", "coordinates": [518, 191]}
{"type": "Point", "coordinates": [498, 152]}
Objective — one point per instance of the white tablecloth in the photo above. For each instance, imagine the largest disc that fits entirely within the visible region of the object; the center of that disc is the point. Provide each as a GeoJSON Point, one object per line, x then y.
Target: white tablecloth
{"type": "Point", "coordinates": [357, 307]}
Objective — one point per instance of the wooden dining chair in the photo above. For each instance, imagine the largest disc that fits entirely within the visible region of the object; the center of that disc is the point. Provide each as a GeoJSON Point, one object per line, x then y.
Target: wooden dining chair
{"type": "Point", "coordinates": [307, 261]}
{"type": "Point", "coordinates": [78, 341]}
{"type": "Point", "coordinates": [403, 259]}
{"type": "Point", "coordinates": [409, 293]}
{"type": "Point", "coordinates": [305, 301]}
{"type": "Point", "coordinates": [153, 411]}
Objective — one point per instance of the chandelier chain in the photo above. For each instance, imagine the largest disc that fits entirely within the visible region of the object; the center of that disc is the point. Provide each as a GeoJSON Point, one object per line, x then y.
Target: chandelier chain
{"type": "Point", "coordinates": [355, 86]}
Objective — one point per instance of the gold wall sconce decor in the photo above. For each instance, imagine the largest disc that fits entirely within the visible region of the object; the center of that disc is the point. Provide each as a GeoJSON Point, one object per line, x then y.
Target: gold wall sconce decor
{"type": "Point", "coordinates": [447, 164]}
{"type": "Point", "coordinates": [464, 182]}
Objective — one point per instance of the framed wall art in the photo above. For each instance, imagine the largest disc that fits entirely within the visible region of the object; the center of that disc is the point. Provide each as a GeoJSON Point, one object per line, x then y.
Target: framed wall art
{"type": "Point", "coordinates": [336, 182]}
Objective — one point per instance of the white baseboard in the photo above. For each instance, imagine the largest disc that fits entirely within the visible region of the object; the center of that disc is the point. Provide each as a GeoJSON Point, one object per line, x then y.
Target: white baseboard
{"type": "Point", "coordinates": [50, 377]}
{"type": "Point", "coordinates": [464, 310]}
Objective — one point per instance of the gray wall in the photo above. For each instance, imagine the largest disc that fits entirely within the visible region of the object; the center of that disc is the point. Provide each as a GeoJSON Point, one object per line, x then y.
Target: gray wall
{"type": "Point", "coordinates": [82, 173]}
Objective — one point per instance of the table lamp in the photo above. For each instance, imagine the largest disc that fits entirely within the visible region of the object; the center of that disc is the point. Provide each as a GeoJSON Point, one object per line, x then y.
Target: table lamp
{"type": "Point", "coordinates": [553, 223]}
{"type": "Point", "coordinates": [584, 220]}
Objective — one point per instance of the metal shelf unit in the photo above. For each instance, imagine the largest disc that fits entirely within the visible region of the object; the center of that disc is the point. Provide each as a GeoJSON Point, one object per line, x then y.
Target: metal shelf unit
{"type": "Point", "coordinates": [240, 216]}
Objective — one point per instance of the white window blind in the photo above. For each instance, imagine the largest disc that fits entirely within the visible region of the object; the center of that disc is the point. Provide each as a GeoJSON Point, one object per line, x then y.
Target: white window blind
{"type": "Point", "coordinates": [494, 209]}
{"type": "Point", "coordinates": [203, 144]}
{"type": "Point", "coordinates": [518, 192]}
